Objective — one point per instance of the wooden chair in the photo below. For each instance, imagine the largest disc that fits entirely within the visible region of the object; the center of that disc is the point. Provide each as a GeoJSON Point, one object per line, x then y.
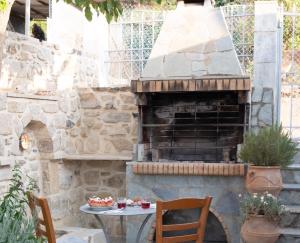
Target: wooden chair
{"type": "Point", "coordinates": [186, 203]}
{"type": "Point", "coordinates": [44, 226]}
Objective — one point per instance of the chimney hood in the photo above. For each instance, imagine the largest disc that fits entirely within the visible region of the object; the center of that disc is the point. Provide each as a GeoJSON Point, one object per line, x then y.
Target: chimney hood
{"type": "Point", "coordinates": [194, 43]}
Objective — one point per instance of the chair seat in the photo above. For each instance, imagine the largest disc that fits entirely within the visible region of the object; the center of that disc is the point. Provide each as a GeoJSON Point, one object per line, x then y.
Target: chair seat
{"type": "Point", "coordinates": [82, 235]}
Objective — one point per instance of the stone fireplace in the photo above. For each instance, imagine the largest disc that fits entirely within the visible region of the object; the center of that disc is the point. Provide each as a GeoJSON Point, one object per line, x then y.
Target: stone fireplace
{"type": "Point", "coordinates": [192, 120]}
{"type": "Point", "coordinates": [193, 103]}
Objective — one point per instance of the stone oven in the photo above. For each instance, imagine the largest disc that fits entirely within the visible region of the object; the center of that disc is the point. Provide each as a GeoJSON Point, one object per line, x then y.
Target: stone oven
{"type": "Point", "coordinates": [193, 101]}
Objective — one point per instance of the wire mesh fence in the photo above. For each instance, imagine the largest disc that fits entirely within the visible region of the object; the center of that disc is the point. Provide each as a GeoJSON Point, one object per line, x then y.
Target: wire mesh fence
{"type": "Point", "coordinates": [290, 87]}
{"type": "Point", "coordinates": [240, 22]}
{"type": "Point", "coordinates": [130, 42]}
{"type": "Point", "coordinates": [131, 39]}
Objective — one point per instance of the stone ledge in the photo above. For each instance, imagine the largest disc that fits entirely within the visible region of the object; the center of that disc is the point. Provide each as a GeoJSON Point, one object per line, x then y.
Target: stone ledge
{"type": "Point", "coordinates": [189, 169]}
{"type": "Point", "coordinates": [33, 97]}
{"type": "Point", "coordinates": [97, 157]}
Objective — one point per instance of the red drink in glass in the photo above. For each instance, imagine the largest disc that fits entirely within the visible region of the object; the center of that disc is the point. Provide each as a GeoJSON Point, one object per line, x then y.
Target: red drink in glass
{"type": "Point", "coordinates": [121, 205]}
{"type": "Point", "coordinates": [145, 205]}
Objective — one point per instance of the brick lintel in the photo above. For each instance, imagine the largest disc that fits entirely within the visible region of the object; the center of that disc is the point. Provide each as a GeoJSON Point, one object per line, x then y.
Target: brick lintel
{"type": "Point", "coordinates": [188, 168]}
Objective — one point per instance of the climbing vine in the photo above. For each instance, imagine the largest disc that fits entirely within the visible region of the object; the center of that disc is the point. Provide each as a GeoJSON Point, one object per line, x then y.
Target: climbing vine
{"type": "Point", "coordinates": [3, 5]}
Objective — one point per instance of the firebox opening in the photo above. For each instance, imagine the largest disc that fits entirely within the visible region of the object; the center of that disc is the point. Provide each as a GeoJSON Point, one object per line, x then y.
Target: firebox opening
{"type": "Point", "coordinates": [200, 2]}
{"type": "Point", "coordinates": [195, 126]}
{"type": "Point", "coordinates": [215, 232]}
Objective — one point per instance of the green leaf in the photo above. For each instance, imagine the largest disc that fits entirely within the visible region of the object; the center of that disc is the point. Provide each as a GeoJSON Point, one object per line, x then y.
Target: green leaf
{"type": "Point", "coordinates": [3, 5]}
{"type": "Point", "coordinates": [88, 13]}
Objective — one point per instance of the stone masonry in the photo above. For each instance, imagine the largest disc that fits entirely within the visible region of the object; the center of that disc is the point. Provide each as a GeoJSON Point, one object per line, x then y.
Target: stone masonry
{"type": "Point", "coordinates": [30, 66]}
{"type": "Point", "coordinates": [47, 94]}
{"type": "Point", "coordinates": [265, 88]}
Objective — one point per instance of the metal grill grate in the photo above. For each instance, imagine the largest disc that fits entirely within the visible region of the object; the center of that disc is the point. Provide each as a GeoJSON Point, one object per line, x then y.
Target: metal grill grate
{"type": "Point", "coordinates": [197, 128]}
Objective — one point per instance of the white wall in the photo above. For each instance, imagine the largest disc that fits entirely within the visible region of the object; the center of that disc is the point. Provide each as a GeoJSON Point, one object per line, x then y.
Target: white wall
{"type": "Point", "coordinates": [69, 29]}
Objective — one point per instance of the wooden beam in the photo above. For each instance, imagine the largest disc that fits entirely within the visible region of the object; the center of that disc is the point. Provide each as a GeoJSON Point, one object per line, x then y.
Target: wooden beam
{"type": "Point", "coordinates": [192, 85]}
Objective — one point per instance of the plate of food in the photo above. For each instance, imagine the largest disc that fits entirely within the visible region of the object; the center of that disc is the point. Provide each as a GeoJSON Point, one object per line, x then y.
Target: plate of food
{"type": "Point", "coordinates": [137, 201]}
{"type": "Point", "coordinates": [100, 204]}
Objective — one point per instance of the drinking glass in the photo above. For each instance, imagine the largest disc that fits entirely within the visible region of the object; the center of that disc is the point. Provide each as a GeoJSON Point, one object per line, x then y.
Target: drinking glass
{"type": "Point", "coordinates": [145, 204]}
{"type": "Point", "coordinates": [121, 203]}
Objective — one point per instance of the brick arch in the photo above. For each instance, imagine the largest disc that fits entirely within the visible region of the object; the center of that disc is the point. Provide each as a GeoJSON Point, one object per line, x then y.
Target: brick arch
{"type": "Point", "coordinates": [151, 233]}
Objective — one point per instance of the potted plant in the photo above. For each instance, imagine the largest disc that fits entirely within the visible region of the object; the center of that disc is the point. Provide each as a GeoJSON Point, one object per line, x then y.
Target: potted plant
{"type": "Point", "coordinates": [266, 152]}
{"type": "Point", "coordinates": [261, 215]}
{"type": "Point", "coordinates": [16, 224]}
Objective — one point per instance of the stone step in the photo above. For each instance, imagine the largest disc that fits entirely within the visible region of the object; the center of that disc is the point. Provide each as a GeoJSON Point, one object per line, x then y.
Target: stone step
{"type": "Point", "coordinates": [291, 218]}
{"type": "Point", "coordinates": [289, 235]}
{"type": "Point", "coordinates": [290, 195]}
{"type": "Point", "coordinates": [291, 174]}
{"type": "Point", "coordinates": [297, 157]}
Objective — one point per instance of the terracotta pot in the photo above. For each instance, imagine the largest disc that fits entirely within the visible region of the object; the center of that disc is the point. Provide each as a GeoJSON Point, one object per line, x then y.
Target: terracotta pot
{"type": "Point", "coordinates": [258, 229]}
{"type": "Point", "coordinates": [260, 179]}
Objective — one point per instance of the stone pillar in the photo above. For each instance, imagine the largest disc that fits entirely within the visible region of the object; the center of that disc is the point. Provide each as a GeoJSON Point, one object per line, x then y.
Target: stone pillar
{"type": "Point", "coordinates": [266, 64]}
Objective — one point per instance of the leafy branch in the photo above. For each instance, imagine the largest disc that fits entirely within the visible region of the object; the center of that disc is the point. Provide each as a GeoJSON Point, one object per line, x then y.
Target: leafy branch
{"type": "Point", "coordinates": [15, 225]}
{"type": "Point", "coordinates": [3, 5]}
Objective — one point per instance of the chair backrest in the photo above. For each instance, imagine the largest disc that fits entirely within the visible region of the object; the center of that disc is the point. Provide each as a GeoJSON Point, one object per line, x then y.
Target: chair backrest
{"type": "Point", "coordinates": [185, 203]}
{"type": "Point", "coordinates": [44, 226]}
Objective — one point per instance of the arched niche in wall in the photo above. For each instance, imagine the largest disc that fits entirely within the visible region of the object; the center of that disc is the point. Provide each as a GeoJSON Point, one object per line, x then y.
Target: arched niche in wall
{"type": "Point", "coordinates": [38, 154]}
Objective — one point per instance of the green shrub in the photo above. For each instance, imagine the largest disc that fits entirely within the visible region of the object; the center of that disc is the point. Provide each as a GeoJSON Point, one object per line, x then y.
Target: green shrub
{"type": "Point", "coordinates": [262, 204]}
{"type": "Point", "coordinates": [16, 226]}
{"type": "Point", "coordinates": [270, 146]}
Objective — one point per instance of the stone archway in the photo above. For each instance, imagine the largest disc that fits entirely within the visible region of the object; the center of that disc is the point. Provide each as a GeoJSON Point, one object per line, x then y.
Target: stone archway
{"type": "Point", "coordinates": [216, 230]}
{"type": "Point", "coordinates": [38, 154]}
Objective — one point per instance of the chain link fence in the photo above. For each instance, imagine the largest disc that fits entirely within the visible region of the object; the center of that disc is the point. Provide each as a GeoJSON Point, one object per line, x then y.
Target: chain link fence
{"type": "Point", "coordinates": [131, 39]}
{"type": "Point", "coordinates": [240, 22]}
{"type": "Point", "coordinates": [130, 42]}
{"type": "Point", "coordinates": [290, 85]}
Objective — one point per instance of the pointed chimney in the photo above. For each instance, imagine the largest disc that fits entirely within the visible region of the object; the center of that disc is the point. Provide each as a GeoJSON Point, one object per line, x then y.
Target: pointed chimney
{"type": "Point", "coordinates": [194, 42]}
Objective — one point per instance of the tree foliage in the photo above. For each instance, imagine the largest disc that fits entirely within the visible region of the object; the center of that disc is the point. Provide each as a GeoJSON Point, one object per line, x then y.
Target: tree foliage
{"type": "Point", "coordinates": [3, 4]}
{"type": "Point", "coordinates": [15, 225]}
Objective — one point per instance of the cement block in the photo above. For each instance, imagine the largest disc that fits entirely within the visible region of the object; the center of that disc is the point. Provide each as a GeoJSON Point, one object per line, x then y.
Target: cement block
{"type": "Point", "coordinates": [266, 16]}
{"type": "Point", "coordinates": [224, 44]}
{"type": "Point", "coordinates": [215, 60]}
{"type": "Point", "coordinates": [265, 47]}
{"type": "Point", "coordinates": [265, 75]}
{"type": "Point", "coordinates": [257, 94]}
{"type": "Point", "coordinates": [267, 96]}
{"type": "Point", "coordinates": [265, 116]}
{"type": "Point", "coordinates": [176, 64]}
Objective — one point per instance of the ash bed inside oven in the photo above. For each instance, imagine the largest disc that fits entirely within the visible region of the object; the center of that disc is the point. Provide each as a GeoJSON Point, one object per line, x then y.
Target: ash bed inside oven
{"type": "Point", "coordinates": [195, 126]}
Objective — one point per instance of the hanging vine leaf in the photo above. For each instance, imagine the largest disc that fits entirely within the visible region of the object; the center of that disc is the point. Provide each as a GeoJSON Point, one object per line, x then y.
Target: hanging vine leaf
{"type": "Point", "coordinates": [88, 13]}
{"type": "Point", "coordinates": [3, 5]}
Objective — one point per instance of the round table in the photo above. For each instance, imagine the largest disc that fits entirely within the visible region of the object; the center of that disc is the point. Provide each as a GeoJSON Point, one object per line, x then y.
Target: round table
{"type": "Point", "coordinates": [128, 211]}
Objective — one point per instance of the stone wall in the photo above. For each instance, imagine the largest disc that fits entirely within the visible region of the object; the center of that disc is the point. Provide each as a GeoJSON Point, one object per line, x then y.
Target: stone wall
{"type": "Point", "coordinates": [108, 125]}
{"type": "Point", "coordinates": [104, 178]}
{"type": "Point", "coordinates": [45, 119]}
{"type": "Point", "coordinates": [57, 123]}
{"type": "Point", "coordinates": [265, 91]}
{"type": "Point", "coordinates": [79, 137]}
{"type": "Point", "coordinates": [225, 191]}
{"type": "Point", "coordinates": [76, 182]}
{"type": "Point", "coordinates": [30, 66]}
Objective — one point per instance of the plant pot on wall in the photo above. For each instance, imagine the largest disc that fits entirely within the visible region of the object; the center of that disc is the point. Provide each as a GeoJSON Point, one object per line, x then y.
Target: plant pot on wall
{"type": "Point", "coordinates": [260, 179]}
{"type": "Point", "coordinates": [258, 229]}
{"type": "Point", "coordinates": [268, 150]}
